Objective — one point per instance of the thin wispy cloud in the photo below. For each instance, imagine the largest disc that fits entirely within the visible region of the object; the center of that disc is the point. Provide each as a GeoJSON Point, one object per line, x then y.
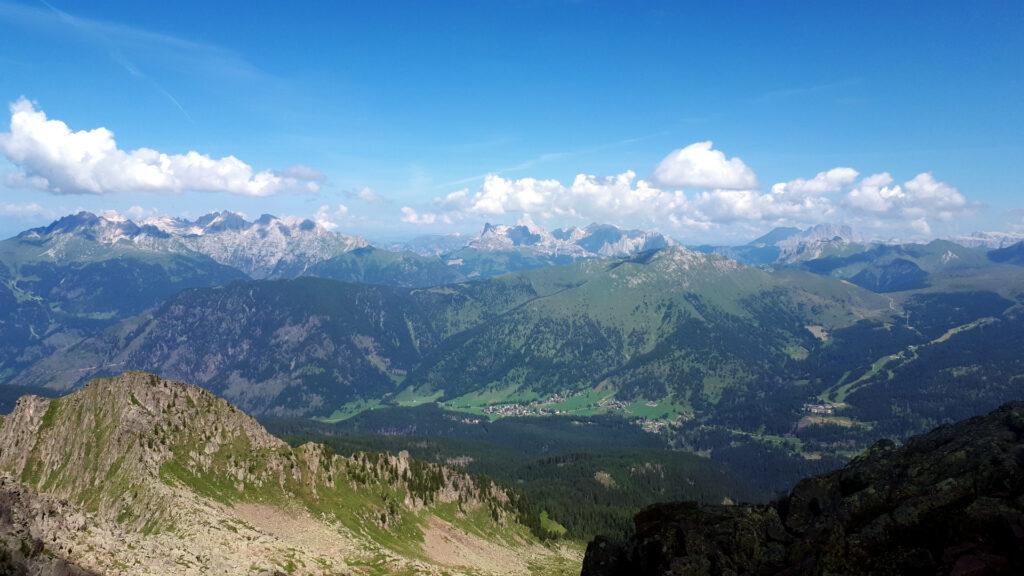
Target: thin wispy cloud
{"type": "Point", "coordinates": [802, 91]}
{"type": "Point", "coordinates": [157, 50]}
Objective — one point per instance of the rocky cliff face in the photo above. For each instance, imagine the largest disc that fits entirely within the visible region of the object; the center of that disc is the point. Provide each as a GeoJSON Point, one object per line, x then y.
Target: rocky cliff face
{"type": "Point", "coordinates": [140, 475]}
{"type": "Point", "coordinates": [947, 502]}
{"type": "Point", "coordinates": [105, 445]}
{"type": "Point", "coordinates": [594, 241]}
{"type": "Point", "coordinates": [30, 532]}
{"type": "Point", "coordinates": [269, 247]}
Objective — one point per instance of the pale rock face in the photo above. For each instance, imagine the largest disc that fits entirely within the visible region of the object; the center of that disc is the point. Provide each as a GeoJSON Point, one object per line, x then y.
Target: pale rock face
{"type": "Point", "coordinates": [811, 243]}
{"type": "Point", "coordinates": [526, 235]}
{"type": "Point", "coordinates": [823, 233]}
{"type": "Point", "coordinates": [174, 226]}
{"type": "Point", "coordinates": [270, 246]}
{"type": "Point", "coordinates": [993, 240]}
{"type": "Point", "coordinates": [273, 247]}
{"type": "Point", "coordinates": [571, 234]}
{"type": "Point", "coordinates": [266, 248]}
{"type": "Point", "coordinates": [596, 240]}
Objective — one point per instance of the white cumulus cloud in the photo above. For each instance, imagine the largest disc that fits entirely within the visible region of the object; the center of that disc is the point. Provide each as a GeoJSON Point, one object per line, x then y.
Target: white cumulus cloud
{"type": "Point", "coordinates": [52, 157]}
{"type": "Point", "coordinates": [327, 217]}
{"type": "Point", "coordinates": [837, 194]}
{"type": "Point", "coordinates": [587, 196]}
{"type": "Point", "coordinates": [624, 196]}
{"type": "Point", "coordinates": [699, 165]}
{"type": "Point", "coordinates": [927, 197]}
{"type": "Point", "coordinates": [827, 182]}
{"type": "Point", "coordinates": [367, 194]}
{"type": "Point", "coordinates": [918, 199]}
{"type": "Point", "coordinates": [875, 194]}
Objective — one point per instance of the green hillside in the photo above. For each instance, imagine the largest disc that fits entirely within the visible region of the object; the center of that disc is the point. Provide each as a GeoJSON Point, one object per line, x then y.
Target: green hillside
{"type": "Point", "coordinates": [170, 465]}
{"type": "Point", "coordinates": [54, 291]}
{"type": "Point", "coordinates": [742, 363]}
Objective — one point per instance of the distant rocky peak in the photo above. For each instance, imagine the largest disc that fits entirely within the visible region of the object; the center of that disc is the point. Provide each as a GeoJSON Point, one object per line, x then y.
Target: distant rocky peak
{"type": "Point", "coordinates": [570, 234]}
{"type": "Point", "coordinates": [992, 240]}
{"type": "Point", "coordinates": [775, 235]}
{"type": "Point", "coordinates": [596, 240]}
{"type": "Point", "coordinates": [837, 233]}
{"type": "Point", "coordinates": [524, 233]}
{"type": "Point", "coordinates": [525, 221]}
{"type": "Point", "coordinates": [830, 232]}
{"type": "Point", "coordinates": [790, 237]}
{"type": "Point", "coordinates": [222, 221]}
{"type": "Point", "coordinates": [108, 228]}
{"type": "Point", "coordinates": [113, 216]}
{"type": "Point", "coordinates": [269, 247]}
{"type": "Point", "coordinates": [72, 222]}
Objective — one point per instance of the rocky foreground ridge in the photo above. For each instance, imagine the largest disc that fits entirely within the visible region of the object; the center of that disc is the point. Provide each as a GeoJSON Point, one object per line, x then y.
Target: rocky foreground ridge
{"type": "Point", "coordinates": [140, 475]}
{"type": "Point", "coordinates": [947, 502]}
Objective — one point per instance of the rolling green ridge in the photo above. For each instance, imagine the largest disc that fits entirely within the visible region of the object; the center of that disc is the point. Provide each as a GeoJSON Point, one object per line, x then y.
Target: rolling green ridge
{"type": "Point", "coordinates": [375, 266]}
{"type": "Point", "coordinates": [371, 265]}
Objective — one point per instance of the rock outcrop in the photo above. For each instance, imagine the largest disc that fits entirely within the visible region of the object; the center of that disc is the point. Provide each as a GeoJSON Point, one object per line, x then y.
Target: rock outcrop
{"type": "Point", "coordinates": [947, 502]}
{"type": "Point", "coordinates": [31, 527]}
{"type": "Point", "coordinates": [144, 476]}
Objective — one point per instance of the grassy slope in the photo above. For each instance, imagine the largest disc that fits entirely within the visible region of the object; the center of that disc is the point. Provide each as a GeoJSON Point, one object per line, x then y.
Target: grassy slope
{"type": "Point", "coordinates": [558, 463]}
{"type": "Point", "coordinates": [143, 436]}
{"type": "Point", "coordinates": [591, 320]}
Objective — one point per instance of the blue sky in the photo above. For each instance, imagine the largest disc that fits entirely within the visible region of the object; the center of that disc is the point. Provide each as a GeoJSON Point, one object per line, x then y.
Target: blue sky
{"type": "Point", "coordinates": [390, 108]}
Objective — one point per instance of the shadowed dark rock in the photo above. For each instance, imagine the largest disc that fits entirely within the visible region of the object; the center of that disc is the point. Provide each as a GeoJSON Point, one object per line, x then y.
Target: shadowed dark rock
{"type": "Point", "coordinates": [947, 502]}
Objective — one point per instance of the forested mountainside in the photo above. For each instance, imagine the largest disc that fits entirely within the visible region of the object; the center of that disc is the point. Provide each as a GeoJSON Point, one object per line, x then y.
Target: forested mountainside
{"type": "Point", "coordinates": [947, 502]}
{"type": "Point", "coordinates": [900, 267]}
{"type": "Point", "coordinates": [301, 346]}
{"type": "Point", "coordinates": [643, 327]}
{"type": "Point", "coordinates": [163, 477]}
{"type": "Point", "coordinates": [75, 277]}
{"type": "Point", "coordinates": [710, 347]}
{"type": "Point", "coordinates": [57, 288]}
{"type": "Point", "coordinates": [1013, 254]}
{"type": "Point", "coordinates": [579, 476]}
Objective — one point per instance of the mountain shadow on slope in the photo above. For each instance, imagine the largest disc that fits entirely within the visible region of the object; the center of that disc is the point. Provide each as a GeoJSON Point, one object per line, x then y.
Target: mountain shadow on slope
{"type": "Point", "coordinates": [947, 502]}
{"type": "Point", "coordinates": [1013, 254]}
{"type": "Point", "coordinates": [895, 276]}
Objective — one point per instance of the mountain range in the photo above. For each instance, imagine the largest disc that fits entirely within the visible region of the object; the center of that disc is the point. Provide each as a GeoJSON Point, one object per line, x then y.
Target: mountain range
{"type": "Point", "coordinates": [272, 247]}
{"type": "Point", "coordinates": [788, 245]}
{"type": "Point", "coordinates": [265, 248]}
{"type": "Point", "coordinates": [696, 332]}
{"type": "Point", "coordinates": [773, 360]}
